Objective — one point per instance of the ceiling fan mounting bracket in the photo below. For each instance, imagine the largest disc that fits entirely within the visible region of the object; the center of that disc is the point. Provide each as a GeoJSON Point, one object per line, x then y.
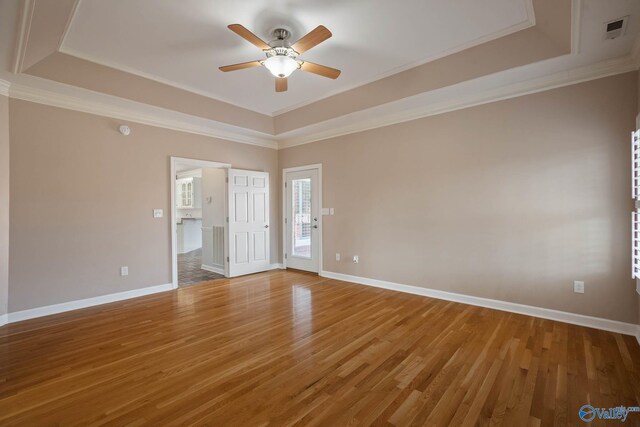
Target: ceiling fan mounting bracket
{"type": "Point", "coordinates": [281, 39]}
{"type": "Point", "coordinates": [281, 34]}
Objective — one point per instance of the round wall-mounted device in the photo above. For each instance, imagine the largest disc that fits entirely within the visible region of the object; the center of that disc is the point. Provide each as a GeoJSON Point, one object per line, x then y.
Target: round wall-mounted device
{"type": "Point", "coordinates": [125, 130]}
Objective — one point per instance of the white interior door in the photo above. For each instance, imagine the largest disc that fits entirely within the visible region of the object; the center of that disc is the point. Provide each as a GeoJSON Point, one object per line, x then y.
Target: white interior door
{"type": "Point", "coordinates": [248, 230]}
{"type": "Point", "coordinates": [302, 220]}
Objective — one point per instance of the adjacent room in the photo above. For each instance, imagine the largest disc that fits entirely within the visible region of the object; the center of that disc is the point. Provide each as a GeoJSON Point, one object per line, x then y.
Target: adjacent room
{"type": "Point", "coordinates": [328, 213]}
{"type": "Point", "coordinates": [199, 212]}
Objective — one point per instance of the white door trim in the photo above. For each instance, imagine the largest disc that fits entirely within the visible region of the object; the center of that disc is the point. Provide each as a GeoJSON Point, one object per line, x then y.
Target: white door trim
{"type": "Point", "coordinates": [317, 166]}
{"type": "Point", "coordinates": [172, 176]}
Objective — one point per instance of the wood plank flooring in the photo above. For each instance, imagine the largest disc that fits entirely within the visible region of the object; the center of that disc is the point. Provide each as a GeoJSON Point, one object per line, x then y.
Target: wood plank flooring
{"type": "Point", "coordinates": [288, 348]}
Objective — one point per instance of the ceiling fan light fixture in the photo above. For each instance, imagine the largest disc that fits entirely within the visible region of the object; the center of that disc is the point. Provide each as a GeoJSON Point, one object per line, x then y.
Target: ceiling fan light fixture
{"type": "Point", "coordinates": [281, 66]}
{"type": "Point", "coordinates": [282, 56]}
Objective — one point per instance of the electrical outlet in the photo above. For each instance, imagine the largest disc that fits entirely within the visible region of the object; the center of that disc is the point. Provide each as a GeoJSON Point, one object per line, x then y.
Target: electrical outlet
{"type": "Point", "coordinates": [124, 271]}
{"type": "Point", "coordinates": [337, 256]}
{"type": "Point", "coordinates": [355, 259]}
{"type": "Point", "coordinates": [158, 213]}
{"type": "Point", "coordinates": [578, 287]}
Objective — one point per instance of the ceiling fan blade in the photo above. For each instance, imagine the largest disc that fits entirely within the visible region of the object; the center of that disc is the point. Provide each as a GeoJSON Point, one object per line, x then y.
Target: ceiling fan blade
{"type": "Point", "coordinates": [320, 70]}
{"type": "Point", "coordinates": [314, 38]}
{"type": "Point", "coordinates": [240, 66]}
{"type": "Point", "coordinates": [282, 84]}
{"type": "Point", "coordinates": [249, 36]}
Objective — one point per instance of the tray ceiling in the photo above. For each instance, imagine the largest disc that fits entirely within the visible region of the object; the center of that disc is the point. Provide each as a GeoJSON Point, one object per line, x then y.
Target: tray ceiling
{"type": "Point", "coordinates": [183, 43]}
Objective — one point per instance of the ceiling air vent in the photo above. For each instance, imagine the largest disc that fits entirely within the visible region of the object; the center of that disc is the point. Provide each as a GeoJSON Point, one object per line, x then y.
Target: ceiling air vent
{"type": "Point", "coordinates": [616, 28]}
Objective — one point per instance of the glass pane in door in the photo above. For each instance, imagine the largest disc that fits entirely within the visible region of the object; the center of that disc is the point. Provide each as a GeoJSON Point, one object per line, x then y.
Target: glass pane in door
{"type": "Point", "coordinates": [301, 204]}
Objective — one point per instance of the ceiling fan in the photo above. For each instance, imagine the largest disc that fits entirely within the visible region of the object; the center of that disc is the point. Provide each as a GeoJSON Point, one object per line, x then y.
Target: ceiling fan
{"type": "Point", "coordinates": [282, 56]}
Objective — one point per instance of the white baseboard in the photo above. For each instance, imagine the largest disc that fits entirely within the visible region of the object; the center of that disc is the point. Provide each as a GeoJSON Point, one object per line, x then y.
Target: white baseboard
{"type": "Point", "coordinates": [84, 303]}
{"type": "Point", "coordinates": [4, 319]}
{"type": "Point", "coordinates": [213, 268]}
{"type": "Point", "coordinates": [545, 313]}
{"type": "Point", "coordinates": [277, 266]}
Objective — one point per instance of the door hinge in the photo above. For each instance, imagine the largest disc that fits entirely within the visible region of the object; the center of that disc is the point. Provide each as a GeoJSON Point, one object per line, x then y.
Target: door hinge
{"type": "Point", "coordinates": [227, 259]}
{"type": "Point", "coordinates": [227, 219]}
{"type": "Point", "coordinates": [226, 180]}
{"type": "Point", "coordinates": [285, 184]}
{"type": "Point", "coordinates": [285, 220]}
{"type": "Point", "coordinates": [285, 255]}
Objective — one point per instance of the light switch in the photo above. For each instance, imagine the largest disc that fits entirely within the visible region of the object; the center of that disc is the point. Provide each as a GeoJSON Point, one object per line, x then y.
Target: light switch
{"type": "Point", "coordinates": [330, 211]}
{"type": "Point", "coordinates": [325, 211]}
{"type": "Point", "coordinates": [157, 213]}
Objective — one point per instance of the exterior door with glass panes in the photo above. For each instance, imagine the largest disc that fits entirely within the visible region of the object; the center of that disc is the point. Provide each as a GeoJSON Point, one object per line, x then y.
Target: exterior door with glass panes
{"type": "Point", "coordinates": [302, 220]}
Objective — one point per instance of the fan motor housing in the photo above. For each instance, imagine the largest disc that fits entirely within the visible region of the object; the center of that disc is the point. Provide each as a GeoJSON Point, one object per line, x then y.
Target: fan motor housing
{"type": "Point", "coordinates": [281, 38]}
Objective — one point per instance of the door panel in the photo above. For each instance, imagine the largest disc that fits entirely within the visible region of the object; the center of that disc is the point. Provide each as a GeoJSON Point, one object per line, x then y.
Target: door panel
{"type": "Point", "coordinates": [241, 204]}
{"type": "Point", "coordinates": [248, 195]}
{"type": "Point", "coordinates": [302, 220]}
{"type": "Point", "coordinates": [259, 205]}
{"type": "Point", "coordinates": [259, 245]}
{"type": "Point", "coordinates": [242, 247]}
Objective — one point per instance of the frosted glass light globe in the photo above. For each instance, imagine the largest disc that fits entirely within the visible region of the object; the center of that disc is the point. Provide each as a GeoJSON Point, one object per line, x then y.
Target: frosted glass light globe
{"type": "Point", "coordinates": [281, 66]}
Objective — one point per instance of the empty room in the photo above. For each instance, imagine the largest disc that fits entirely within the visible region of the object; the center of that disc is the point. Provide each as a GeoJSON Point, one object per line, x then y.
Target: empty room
{"type": "Point", "coordinates": [327, 213]}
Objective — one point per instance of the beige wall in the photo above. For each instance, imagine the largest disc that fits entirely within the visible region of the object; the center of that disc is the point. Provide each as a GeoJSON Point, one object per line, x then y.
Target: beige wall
{"type": "Point", "coordinates": [82, 197]}
{"type": "Point", "coordinates": [214, 186]}
{"type": "Point", "coordinates": [4, 203]}
{"type": "Point", "coordinates": [511, 200]}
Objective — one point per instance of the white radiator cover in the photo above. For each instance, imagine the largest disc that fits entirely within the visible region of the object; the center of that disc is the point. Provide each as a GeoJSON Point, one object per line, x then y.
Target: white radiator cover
{"type": "Point", "coordinates": [213, 247]}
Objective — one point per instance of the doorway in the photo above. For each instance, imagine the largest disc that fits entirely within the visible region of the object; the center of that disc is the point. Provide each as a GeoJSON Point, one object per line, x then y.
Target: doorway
{"type": "Point", "coordinates": [198, 212]}
{"type": "Point", "coordinates": [228, 227]}
{"type": "Point", "coordinates": [302, 217]}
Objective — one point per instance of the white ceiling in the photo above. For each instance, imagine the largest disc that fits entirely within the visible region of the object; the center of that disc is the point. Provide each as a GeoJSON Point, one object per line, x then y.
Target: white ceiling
{"type": "Point", "coordinates": [184, 42]}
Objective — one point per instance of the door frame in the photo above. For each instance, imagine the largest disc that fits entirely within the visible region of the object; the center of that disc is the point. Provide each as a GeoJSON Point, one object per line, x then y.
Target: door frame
{"type": "Point", "coordinates": [318, 167]}
{"type": "Point", "coordinates": [172, 178]}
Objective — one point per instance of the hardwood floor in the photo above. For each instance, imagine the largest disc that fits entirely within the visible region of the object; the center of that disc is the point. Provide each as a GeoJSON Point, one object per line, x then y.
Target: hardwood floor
{"type": "Point", "coordinates": [283, 348]}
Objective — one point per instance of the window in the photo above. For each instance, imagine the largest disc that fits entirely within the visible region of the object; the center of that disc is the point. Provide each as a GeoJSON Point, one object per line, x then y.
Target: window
{"type": "Point", "coordinates": [301, 204]}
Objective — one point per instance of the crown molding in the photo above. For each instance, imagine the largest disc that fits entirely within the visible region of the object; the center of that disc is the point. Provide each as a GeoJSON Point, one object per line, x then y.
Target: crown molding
{"type": "Point", "coordinates": [24, 26]}
{"type": "Point", "coordinates": [418, 106]}
{"type": "Point", "coordinates": [67, 27]}
{"type": "Point", "coordinates": [68, 97]}
{"type": "Point", "coordinates": [576, 25]}
{"type": "Point", "coordinates": [4, 87]}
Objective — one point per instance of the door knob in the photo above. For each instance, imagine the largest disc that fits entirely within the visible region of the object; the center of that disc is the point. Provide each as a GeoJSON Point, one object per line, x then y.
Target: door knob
{"type": "Point", "coordinates": [315, 226]}
{"type": "Point", "coordinates": [266, 226]}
